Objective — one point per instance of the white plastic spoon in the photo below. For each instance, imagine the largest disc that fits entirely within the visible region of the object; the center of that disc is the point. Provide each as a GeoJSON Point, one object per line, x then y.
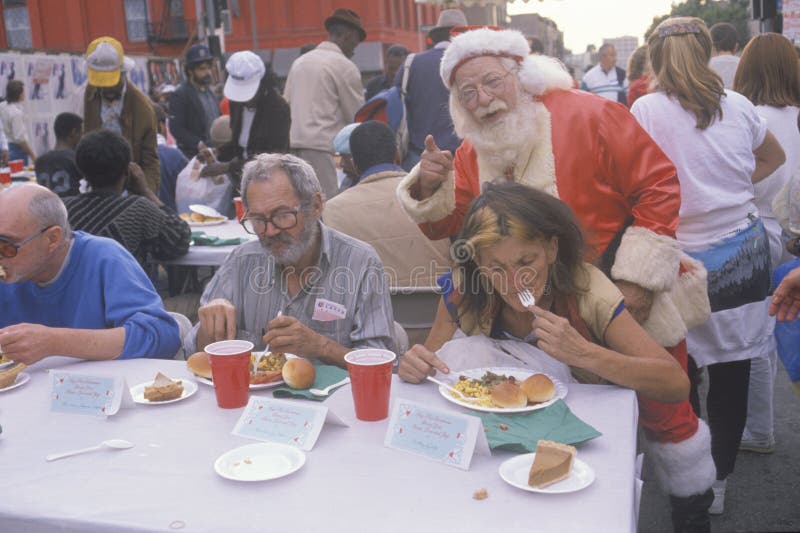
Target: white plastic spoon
{"type": "Point", "coordinates": [327, 390]}
{"type": "Point", "coordinates": [116, 444]}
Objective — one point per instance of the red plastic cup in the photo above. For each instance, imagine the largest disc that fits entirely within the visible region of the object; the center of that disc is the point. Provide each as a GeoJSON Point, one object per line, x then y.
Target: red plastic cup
{"type": "Point", "coordinates": [237, 202]}
{"type": "Point", "coordinates": [17, 165]}
{"type": "Point", "coordinates": [371, 381]}
{"type": "Point", "coordinates": [230, 370]}
{"type": "Point", "coordinates": [5, 176]}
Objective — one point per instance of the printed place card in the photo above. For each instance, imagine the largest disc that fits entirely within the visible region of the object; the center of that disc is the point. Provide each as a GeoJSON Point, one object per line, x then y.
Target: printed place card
{"type": "Point", "coordinates": [85, 394]}
{"type": "Point", "coordinates": [445, 436]}
{"type": "Point", "coordinates": [289, 422]}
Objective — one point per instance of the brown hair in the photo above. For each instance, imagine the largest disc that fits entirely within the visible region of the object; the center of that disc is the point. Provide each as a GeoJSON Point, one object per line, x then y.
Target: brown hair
{"type": "Point", "coordinates": [768, 72]}
{"type": "Point", "coordinates": [637, 63]}
{"type": "Point", "coordinates": [680, 48]}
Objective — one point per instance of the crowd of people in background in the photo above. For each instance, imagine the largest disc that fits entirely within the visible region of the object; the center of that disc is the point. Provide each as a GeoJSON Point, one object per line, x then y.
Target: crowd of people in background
{"type": "Point", "coordinates": [651, 205]}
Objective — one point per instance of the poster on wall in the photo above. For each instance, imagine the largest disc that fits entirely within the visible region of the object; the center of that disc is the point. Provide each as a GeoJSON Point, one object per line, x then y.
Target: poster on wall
{"type": "Point", "coordinates": [791, 20]}
{"type": "Point", "coordinates": [164, 71]}
{"type": "Point", "coordinates": [138, 75]}
{"type": "Point", "coordinates": [10, 68]}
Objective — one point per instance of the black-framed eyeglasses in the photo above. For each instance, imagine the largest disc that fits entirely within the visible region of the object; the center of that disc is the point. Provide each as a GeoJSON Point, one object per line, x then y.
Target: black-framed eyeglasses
{"type": "Point", "coordinates": [9, 249]}
{"type": "Point", "coordinates": [283, 220]}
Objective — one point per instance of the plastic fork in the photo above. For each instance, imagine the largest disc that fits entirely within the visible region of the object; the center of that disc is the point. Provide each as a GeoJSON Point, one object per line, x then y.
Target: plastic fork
{"type": "Point", "coordinates": [448, 387]}
{"type": "Point", "coordinates": [526, 298]}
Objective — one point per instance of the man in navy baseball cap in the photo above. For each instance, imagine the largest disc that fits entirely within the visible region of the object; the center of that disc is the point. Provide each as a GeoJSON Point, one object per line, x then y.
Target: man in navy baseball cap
{"type": "Point", "coordinates": [193, 106]}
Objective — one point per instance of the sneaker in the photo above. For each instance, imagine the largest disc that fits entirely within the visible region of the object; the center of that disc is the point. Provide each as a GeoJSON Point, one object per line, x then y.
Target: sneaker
{"type": "Point", "coordinates": [718, 505]}
{"type": "Point", "coordinates": [758, 445]}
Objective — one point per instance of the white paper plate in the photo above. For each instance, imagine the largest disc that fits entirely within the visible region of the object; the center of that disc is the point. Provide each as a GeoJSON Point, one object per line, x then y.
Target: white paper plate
{"type": "Point", "coordinates": [515, 471]}
{"type": "Point", "coordinates": [259, 462]}
{"type": "Point", "coordinates": [205, 210]}
{"type": "Point", "coordinates": [22, 379]}
{"type": "Point", "coordinates": [207, 223]}
{"type": "Point", "coordinates": [189, 388]}
{"type": "Point", "coordinates": [519, 373]}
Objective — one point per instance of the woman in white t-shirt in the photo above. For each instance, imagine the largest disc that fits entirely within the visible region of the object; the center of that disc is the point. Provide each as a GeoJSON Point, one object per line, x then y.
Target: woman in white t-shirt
{"type": "Point", "coordinates": [769, 77]}
{"type": "Point", "coordinates": [720, 147]}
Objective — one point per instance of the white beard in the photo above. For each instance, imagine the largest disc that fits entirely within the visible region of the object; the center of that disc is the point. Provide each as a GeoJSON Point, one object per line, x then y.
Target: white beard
{"type": "Point", "coordinates": [502, 143]}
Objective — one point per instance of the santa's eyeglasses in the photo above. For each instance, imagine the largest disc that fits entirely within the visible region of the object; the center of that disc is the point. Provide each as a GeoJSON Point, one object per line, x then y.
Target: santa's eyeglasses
{"type": "Point", "coordinates": [492, 85]}
{"type": "Point", "coordinates": [9, 248]}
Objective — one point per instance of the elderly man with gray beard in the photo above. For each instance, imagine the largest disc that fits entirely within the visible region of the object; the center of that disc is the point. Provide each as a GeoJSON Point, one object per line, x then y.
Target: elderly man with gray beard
{"type": "Point", "coordinates": [302, 288]}
{"type": "Point", "coordinates": [521, 122]}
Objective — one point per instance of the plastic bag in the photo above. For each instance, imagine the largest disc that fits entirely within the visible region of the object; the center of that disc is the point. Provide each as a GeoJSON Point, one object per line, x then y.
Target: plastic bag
{"type": "Point", "coordinates": [190, 188]}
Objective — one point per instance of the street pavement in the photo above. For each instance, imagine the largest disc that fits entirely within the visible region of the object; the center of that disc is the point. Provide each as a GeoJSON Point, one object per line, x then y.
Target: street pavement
{"type": "Point", "coordinates": [763, 494]}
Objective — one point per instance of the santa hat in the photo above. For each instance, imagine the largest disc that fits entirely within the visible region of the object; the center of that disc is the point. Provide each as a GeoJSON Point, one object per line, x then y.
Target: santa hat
{"type": "Point", "coordinates": [538, 74]}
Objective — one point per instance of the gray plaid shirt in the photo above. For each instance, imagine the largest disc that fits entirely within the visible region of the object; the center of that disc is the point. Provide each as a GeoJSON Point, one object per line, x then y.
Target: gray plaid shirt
{"type": "Point", "coordinates": [349, 273]}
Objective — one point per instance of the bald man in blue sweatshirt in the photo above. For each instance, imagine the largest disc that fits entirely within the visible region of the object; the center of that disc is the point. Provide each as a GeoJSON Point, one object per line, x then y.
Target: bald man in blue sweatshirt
{"type": "Point", "coordinates": [71, 293]}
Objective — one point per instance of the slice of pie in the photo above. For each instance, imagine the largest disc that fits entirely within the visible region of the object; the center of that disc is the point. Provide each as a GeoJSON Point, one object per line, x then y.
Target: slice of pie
{"type": "Point", "coordinates": [553, 462]}
{"type": "Point", "coordinates": [163, 389]}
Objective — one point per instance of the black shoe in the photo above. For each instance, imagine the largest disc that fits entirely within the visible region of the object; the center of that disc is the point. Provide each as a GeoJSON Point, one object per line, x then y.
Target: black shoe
{"type": "Point", "coordinates": [690, 514]}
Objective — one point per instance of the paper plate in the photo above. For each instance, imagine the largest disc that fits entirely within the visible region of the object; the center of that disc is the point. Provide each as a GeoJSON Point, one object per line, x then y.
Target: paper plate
{"type": "Point", "coordinates": [22, 379]}
{"type": "Point", "coordinates": [189, 388]}
{"type": "Point", "coordinates": [515, 471]}
{"type": "Point", "coordinates": [259, 462]}
{"type": "Point", "coordinates": [205, 210]}
{"type": "Point", "coordinates": [206, 223]}
{"type": "Point", "coordinates": [519, 373]}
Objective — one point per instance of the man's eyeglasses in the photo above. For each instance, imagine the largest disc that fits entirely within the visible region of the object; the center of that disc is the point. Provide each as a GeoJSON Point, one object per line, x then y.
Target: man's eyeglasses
{"type": "Point", "coordinates": [286, 219]}
{"type": "Point", "coordinates": [492, 85]}
{"type": "Point", "coordinates": [9, 249]}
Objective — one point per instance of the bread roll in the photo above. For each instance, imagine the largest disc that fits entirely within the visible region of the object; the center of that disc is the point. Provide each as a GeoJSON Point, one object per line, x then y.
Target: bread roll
{"type": "Point", "coordinates": [538, 388]}
{"type": "Point", "coordinates": [508, 395]}
{"type": "Point", "coordinates": [199, 364]}
{"type": "Point", "coordinates": [299, 373]}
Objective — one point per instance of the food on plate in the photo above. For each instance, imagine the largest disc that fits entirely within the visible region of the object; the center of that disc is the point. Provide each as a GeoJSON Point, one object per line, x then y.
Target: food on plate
{"type": "Point", "coordinates": [163, 389]}
{"type": "Point", "coordinates": [197, 217]}
{"type": "Point", "coordinates": [480, 494]}
{"type": "Point", "coordinates": [508, 395]}
{"type": "Point", "coordinates": [510, 391]}
{"type": "Point", "coordinates": [199, 364]}
{"type": "Point", "coordinates": [552, 463]}
{"type": "Point", "coordinates": [269, 367]}
{"type": "Point", "coordinates": [538, 388]}
{"type": "Point", "coordinates": [9, 375]}
{"type": "Point", "coordinates": [299, 373]}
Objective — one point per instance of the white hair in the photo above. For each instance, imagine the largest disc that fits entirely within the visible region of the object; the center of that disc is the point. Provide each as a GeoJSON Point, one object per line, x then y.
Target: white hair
{"type": "Point", "coordinates": [301, 175]}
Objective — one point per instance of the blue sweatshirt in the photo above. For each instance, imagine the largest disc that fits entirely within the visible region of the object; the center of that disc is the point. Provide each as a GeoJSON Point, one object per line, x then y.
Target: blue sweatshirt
{"type": "Point", "coordinates": [101, 286]}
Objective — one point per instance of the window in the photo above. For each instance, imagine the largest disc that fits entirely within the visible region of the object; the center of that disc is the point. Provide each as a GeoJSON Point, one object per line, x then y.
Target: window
{"type": "Point", "coordinates": [136, 19]}
{"type": "Point", "coordinates": [18, 25]}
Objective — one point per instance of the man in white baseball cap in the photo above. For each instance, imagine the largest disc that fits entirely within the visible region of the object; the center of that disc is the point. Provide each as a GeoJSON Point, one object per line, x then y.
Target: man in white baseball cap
{"type": "Point", "coordinates": [260, 117]}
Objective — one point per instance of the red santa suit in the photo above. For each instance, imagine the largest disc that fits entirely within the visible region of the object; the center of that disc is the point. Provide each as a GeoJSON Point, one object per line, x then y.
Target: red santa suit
{"type": "Point", "coordinates": [592, 154]}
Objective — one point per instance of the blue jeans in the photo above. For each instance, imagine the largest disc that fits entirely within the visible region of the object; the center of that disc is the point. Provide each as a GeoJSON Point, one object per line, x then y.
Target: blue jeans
{"type": "Point", "coordinates": [15, 151]}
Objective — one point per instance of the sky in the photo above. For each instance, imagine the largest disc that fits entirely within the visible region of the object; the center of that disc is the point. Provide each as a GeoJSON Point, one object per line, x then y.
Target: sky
{"type": "Point", "coordinates": [589, 21]}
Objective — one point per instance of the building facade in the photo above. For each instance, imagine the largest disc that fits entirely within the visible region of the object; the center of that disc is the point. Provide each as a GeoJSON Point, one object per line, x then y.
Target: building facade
{"type": "Point", "coordinates": [544, 29]}
{"type": "Point", "coordinates": [165, 28]}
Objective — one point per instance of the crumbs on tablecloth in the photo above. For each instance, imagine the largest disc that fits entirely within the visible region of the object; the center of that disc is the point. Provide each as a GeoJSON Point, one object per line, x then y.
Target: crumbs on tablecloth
{"type": "Point", "coordinates": [503, 427]}
{"type": "Point", "coordinates": [480, 494]}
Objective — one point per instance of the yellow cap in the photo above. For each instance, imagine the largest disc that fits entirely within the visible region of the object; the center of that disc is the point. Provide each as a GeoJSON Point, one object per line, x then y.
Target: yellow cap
{"type": "Point", "coordinates": [104, 58]}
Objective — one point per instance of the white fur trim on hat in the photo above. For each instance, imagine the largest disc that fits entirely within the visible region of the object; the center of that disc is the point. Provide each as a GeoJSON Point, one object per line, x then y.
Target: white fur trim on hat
{"type": "Point", "coordinates": [540, 74]}
{"type": "Point", "coordinates": [683, 468]}
{"type": "Point", "coordinates": [432, 209]}
{"type": "Point", "coordinates": [480, 42]}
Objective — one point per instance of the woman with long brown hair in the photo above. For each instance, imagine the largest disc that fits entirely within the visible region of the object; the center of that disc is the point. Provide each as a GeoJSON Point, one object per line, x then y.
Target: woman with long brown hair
{"type": "Point", "coordinates": [721, 147]}
{"type": "Point", "coordinates": [769, 76]}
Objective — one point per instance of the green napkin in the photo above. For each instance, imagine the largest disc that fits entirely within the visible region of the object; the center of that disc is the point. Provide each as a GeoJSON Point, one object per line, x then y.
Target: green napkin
{"type": "Point", "coordinates": [326, 375]}
{"type": "Point", "coordinates": [201, 239]}
{"type": "Point", "coordinates": [555, 422]}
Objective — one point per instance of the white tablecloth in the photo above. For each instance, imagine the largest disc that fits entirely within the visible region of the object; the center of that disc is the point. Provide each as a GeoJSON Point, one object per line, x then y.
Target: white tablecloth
{"type": "Point", "coordinates": [350, 482]}
{"type": "Point", "coordinates": [211, 255]}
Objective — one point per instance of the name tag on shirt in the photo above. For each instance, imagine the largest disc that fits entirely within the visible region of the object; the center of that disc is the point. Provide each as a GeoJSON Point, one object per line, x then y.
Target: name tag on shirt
{"type": "Point", "coordinates": [327, 311]}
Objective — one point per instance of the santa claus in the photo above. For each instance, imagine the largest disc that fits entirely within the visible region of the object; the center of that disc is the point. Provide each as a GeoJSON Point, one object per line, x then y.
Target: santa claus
{"type": "Point", "coordinates": [520, 121]}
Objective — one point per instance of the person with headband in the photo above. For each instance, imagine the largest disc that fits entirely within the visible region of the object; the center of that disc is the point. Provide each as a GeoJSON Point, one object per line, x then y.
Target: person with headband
{"type": "Point", "coordinates": [721, 148]}
{"type": "Point", "coordinates": [521, 122]}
